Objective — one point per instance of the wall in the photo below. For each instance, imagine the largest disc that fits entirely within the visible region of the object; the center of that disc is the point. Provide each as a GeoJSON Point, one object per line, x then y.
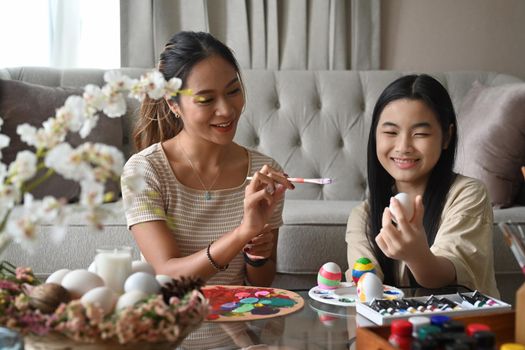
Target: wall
{"type": "Point", "coordinates": [446, 35]}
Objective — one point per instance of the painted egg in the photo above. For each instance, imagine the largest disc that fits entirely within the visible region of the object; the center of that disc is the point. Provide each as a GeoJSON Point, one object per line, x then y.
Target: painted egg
{"type": "Point", "coordinates": [369, 287]}
{"type": "Point", "coordinates": [163, 279]}
{"type": "Point", "coordinates": [130, 299]}
{"type": "Point", "coordinates": [329, 276]}
{"type": "Point", "coordinates": [143, 282]}
{"type": "Point", "coordinates": [142, 266]}
{"type": "Point", "coordinates": [407, 204]}
{"type": "Point", "coordinates": [57, 276]}
{"type": "Point", "coordinates": [103, 297]}
{"type": "Point", "coordinates": [79, 282]}
{"type": "Point", "coordinates": [361, 266]}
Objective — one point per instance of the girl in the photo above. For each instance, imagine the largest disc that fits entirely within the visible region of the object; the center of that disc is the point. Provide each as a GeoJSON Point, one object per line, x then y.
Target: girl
{"type": "Point", "coordinates": [411, 149]}
{"type": "Point", "coordinates": [198, 216]}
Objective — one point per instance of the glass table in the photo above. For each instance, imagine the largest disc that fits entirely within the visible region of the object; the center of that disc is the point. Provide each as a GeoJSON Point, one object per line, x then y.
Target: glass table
{"type": "Point", "coordinates": [316, 326]}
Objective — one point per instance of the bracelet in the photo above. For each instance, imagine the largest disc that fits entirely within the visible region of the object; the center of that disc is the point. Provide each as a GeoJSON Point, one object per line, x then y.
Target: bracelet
{"type": "Point", "coordinates": [254, 263]}
{"type": "Point", "coordinates": [212, 262]}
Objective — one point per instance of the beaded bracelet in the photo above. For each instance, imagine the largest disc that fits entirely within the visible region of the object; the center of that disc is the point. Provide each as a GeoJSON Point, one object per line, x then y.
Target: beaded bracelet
{"type": "Point", "coordinates": [212, 262]}
{"type": "Point", "coordinates": [254, 263]}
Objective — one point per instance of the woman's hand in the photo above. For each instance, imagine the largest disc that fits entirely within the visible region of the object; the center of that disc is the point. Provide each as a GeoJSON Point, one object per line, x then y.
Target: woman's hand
{"type": "Point", "coordinates": [262, 194]}
{"type": "Point", "coordinates": [261, 246]}
{"type": "Point", "coordinates": [407, 241]}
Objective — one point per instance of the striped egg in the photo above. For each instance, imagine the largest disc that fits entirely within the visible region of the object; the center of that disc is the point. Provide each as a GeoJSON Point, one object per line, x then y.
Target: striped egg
{"type": "Point", "coordinates": [329, 276]}
{"type": "Point", "coordinates": [361, 266]}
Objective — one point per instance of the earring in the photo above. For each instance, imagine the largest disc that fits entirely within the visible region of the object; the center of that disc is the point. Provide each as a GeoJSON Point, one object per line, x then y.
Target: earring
{"type": "Point", "coordinates": [177, 115]}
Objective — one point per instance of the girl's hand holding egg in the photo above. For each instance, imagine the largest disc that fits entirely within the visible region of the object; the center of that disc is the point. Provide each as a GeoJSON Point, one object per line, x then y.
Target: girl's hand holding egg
{"type": "Point", "coordinates": [406, 239]}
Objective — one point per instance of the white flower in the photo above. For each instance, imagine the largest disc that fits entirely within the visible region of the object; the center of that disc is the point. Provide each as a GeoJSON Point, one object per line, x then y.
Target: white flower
{"type": "Point", "coordinates": [23, 168]}
{"type": "Point", "coordinates": [173, 85]}
{"type": "Point", "coordinates": [27, 134]}
{"type": "Point", "coordinates": [94, 97]}
{"type": "Point", "coordinates": [68, 162]}
{"type": "Point", "coordinates": [116, 103]}
{"type": "Point", "coordinates": [73, 113]}
{"type": "Point", "coordinates": [117, 81]}
{"type": "Point", "coordinates": [89, 124]}
{"type": "Point", "coordinates": [91, 193]}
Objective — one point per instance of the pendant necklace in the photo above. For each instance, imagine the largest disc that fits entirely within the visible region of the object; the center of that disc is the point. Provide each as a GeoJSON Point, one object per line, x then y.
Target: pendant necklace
{"type": "Point", "coordinates": [207, 194]}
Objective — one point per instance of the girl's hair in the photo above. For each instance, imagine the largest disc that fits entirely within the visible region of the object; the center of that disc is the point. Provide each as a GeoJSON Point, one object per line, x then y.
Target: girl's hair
{"type": "Point", "coordinates": [185, 49]}
{"type": "Point", "coordinates": [381, 185]}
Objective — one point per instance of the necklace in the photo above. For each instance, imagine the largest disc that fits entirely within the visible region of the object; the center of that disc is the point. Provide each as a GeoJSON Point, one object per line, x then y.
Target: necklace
{"type": "Point", "coordinates": [207, 194]}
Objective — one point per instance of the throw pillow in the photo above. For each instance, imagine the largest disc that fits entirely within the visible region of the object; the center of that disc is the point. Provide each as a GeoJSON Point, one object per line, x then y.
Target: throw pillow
{"type": "Point", "coordinates": [22, 102]}
{"type": "Point", "coordinates": [491, 128]}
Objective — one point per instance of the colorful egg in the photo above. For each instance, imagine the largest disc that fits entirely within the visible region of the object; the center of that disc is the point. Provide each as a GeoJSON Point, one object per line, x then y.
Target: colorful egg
{"type": "Point", "coordinates": [361, 266]}
{"type": "Point", "coordinates": [369, 287]}
{"type": "Point", "coordinates": [329, 276]}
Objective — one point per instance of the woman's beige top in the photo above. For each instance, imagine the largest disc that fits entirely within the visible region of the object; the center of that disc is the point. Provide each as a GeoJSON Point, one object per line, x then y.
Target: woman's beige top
{"type": "Point", "coordinates": [194, 220]}
{"type": "Point", "coordinates": [464, 237]}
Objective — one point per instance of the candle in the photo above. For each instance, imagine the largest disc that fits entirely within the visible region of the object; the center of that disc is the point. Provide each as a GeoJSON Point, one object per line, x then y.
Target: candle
{"type": "Point", "coordinates": [113, 264]}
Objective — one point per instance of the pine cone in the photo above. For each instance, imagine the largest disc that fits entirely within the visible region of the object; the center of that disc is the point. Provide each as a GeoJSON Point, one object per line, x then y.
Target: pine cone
{"type": "Point", "coordinates": [180, 287]}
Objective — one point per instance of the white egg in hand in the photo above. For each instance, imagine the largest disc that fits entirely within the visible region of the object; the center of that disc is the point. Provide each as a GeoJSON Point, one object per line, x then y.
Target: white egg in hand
{"type": "Point", "coordinates": [57, 276]}
{"type": "Point", "coordinates": [407, 203]}
{"type": "Point", "coordinates": [143, 282]}
{"type": "Point", "coordinates": [142, 266]}
{"type": "Point", "coordinates": [79, 282]}
{"type": "Point", "coordinates": [104, 297]}
{"type": "Point", "coordinates": [130, 299]}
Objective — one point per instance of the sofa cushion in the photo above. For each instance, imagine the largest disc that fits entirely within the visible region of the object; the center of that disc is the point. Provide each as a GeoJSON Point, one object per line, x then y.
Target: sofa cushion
{"type": "Point", "coordinates": [22, 102]}
{"type": "Point", "coordinates": [497, 115]}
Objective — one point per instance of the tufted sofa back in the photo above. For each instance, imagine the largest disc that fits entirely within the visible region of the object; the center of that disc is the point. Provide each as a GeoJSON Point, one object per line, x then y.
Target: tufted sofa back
{"type": "Point", "coordinates": [314, 123]}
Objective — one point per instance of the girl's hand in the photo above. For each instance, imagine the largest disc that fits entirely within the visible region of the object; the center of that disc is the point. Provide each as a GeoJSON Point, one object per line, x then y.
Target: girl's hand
{"type": "Point", "coordinates": [407, 241]}
{"type": "Point", "coordinates": [261, 246]}
{"type": "Point", "coordinates": [262, 194]}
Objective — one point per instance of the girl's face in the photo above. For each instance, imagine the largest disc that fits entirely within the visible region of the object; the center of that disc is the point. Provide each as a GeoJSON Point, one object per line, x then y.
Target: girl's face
{"type": "Point", "coordinates": [213, 111]}
{"type": "Point", "coordinates": [409, 142]}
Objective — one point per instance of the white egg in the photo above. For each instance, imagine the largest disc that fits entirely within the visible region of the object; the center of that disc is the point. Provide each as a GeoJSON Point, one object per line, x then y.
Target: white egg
{"type": "Point", "coordinates": [130, 299]}
{"type": "Point", "coordinates": [101, 296]}
{"type": "Point", "coordinates": [407, 204]}
{"type": "Point", "coordinates": [163, 279]}
{"type": "Point", "coordinates": [78, 282]}
{"type": "Point", "coordinates": [57, 276]}
{"type": "Point", "coordinates": [143, 282]}
{"type": "Point", "coordinates": [92, 267]}
{"type": "Point", "coordinates": [369, 287]}
{"type": "Point", "coordinates": [142, 266]}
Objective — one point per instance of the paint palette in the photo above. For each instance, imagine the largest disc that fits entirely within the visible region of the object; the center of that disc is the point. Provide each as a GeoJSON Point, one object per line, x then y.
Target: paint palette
{"type": "Point", "coordinates": [346, 295]}
{"type": "Point", "coordinates": [245, 303]}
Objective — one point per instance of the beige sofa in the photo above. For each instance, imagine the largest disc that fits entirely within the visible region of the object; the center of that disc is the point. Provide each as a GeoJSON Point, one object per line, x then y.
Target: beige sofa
{"type": "Point", "coordinates": [315, 124]}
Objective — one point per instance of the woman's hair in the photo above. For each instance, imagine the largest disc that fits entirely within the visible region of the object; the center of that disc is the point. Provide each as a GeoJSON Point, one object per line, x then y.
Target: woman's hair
{"type": "Point", "coordinates": [156, 121]}
{"type": "Point", "coordinates": [381, 185]}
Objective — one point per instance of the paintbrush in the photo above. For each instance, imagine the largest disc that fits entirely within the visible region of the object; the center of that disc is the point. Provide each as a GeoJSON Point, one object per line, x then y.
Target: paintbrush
{"type": "Point", "coordinates": [321, 181]}
{"type": "Point", "coordinates": [515, 244]}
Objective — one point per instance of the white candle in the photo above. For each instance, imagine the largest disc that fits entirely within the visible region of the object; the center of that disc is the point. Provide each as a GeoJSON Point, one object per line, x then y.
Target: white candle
{"type": "Point", "coordinates": [114, 266]}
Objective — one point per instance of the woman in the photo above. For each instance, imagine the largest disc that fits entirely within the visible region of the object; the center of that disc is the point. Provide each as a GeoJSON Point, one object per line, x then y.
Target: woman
{"type": "Point", "coordinates": [411, 149]}
{"type": "Point", "coordinates": [199, 215]}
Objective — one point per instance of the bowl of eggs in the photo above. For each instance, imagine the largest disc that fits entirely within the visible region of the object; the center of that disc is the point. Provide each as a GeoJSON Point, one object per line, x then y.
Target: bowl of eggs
{"type": "Point", "coordinates": [78, 310]}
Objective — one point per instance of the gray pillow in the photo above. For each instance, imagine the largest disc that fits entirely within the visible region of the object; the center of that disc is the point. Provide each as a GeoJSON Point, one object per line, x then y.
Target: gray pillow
{"type": "Point", "coordinates": [491, 129]}
{"type": "Point", "coordinates": [22, 102]}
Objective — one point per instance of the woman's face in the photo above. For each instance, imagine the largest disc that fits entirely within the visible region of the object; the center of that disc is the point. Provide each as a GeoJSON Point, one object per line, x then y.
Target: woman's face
{"type": "Point", "coordinates": [409, 142]}
{"type": "Point", "coordinates": [213, 110]}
